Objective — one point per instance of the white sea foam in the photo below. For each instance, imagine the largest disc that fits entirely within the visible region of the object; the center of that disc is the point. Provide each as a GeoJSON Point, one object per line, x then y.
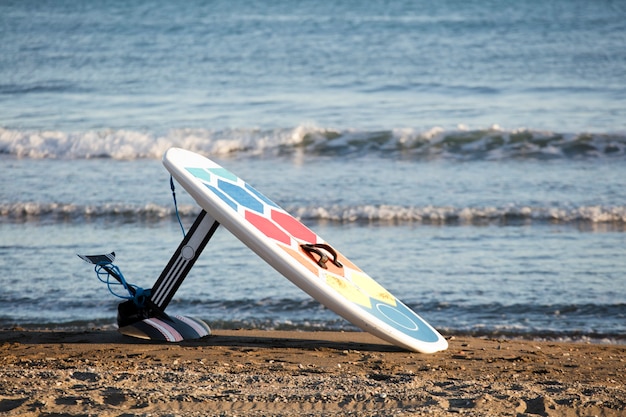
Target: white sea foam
{"type": "Point", "coordinates": [608, 215]}
{"type": "Point", "coordinates": [58, 211]}
{"type": "Point", "coordinates": [491, 143]}
{"type": "Point", "coordinates": [464, 215]}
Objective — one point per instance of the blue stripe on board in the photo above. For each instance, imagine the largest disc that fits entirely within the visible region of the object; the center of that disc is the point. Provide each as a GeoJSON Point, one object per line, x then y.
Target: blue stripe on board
{"type": "Point", "coordinates": [241, 196]}
{"type": "Point", "coordinates": [224, 173]}
{"type": "Point", "coordinates": [261, 196]}
{"type": "Point", "coordinates": [200, 173]}
{"type": "Point", "coordinates": [224, 197]}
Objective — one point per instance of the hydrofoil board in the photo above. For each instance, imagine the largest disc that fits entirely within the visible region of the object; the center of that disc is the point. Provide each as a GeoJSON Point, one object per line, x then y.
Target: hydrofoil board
{"type": "Point", "coordinates": [300, 254]}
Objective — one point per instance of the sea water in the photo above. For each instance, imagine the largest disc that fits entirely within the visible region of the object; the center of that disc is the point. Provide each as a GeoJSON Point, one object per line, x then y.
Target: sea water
{"type": "Point", "coordinates": [470, 156]}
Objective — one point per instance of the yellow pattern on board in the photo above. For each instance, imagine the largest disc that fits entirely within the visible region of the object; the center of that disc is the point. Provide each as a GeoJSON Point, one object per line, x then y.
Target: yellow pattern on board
{"type": "Point", "coordinates": [372, 288]}
{"type": "Point", "coordinates": [348, 290]}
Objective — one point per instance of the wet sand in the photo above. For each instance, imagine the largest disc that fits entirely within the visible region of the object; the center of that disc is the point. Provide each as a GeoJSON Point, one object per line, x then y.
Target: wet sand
{"type": "Point", "coordinates": [259, 373]}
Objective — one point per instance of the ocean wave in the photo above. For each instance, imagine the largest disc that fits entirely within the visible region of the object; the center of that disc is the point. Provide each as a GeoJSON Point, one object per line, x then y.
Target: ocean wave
{"type": "Point", "coordinates": [602, 323]}
{"type": "Point", "coordinates": [493, 143]}
{"type": "Point", "coordinates": [464, 215]}
{"type": "Point", "coordinates": [60, 212]}
{"type": "Point", "coordinates": [567, 322]}
{"type": "Point", "coordinates": [365, 214]}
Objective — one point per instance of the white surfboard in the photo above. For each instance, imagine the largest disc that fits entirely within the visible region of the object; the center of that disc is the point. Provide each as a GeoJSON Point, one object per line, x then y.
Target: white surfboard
{"type": "Point", "coordinates": [299, 254]}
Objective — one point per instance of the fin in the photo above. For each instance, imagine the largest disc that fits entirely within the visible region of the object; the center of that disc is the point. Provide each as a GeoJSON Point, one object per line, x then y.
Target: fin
{"type": "Point", "coordinates": [164, 328]}
{"type": "Point", "coordinates": [153, 324]}
{"type": "Point", "coordinates": [98, 259]}
{"type": "Point", "coordinates": [172, 329]}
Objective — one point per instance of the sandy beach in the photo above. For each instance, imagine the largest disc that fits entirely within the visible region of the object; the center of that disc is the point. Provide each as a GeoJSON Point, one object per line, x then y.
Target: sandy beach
{"type": "Point", "coordinates": [245, 372]}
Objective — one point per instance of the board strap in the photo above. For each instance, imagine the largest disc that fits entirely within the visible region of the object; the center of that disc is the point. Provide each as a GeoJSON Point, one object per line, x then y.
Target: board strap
{"type": "Point", "coordinates": [311, 248]}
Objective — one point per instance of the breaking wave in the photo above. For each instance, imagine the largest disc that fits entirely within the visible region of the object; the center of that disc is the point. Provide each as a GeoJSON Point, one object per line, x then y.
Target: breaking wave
{"type": "Point", "coordinates": [492, 143]}
{"type": "Point", "coordinates": [380, 214]}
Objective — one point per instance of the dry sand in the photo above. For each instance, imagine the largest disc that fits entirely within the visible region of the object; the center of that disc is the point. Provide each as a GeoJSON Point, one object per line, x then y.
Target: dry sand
{"type": "Point", "coordinates": [245, 372]}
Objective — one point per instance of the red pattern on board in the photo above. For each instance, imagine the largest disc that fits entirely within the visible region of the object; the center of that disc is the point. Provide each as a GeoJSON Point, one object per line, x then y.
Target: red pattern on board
{"type": "Point", "coordinates": [268, 228]}
{"type": "Point", "coordinates": [293, 226]}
